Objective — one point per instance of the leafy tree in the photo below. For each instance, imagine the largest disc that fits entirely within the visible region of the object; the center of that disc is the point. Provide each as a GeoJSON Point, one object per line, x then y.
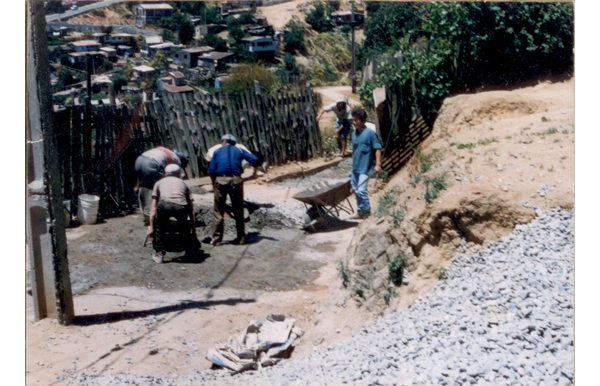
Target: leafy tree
{"type": "Point", "coordinates": [119, 81]}
{"type": "Point", "coordinates": [215, 42]}
{"type": "Point", "coordinates": [317, 18]}
{"type": "Point", "coordinates": [159, 61]}
{"type": "Point", "coordinates": [289, 63]}
{"type": "Point", "coordinates": [53, 6]}
{"type": "Point", "coordinates": [294, 39]}
{"type": "Point", "coordinates": [246, 18]}
{"type": "Point", "coordinates": [242, 77]}
{"type": "Point", "coordinates": [167, 35]}
{"type": "Point", "coordinates": [186, 31]}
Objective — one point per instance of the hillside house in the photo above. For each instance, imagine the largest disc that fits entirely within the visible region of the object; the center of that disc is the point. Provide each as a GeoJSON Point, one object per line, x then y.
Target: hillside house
{"type": "Point", "coordinates": [188, 57]}
{"type": "Point", "coordinates": [164, 86]}
{"type": "Point", "coordinates": [151, 13]}
{"type": "Point", "coordinates": [260, 46]}
{"type": "Point", "coordinates": [101, 84]}
{"type": "Point", "coordinates": [345, 17]}
{"type": "Point", "coordinates": [99, 37]}
{"type": "Point", "coordinates": [110, 53]}
{"type": "Point", "coordinates": [174, 78]}
{"type": "Point", "coordinates": [143, 72]}
{"type": "Point", "coordinates": [118, 39]}
{"type": "Point", "coordinates": [216, 61]}
{"type": "Point", "coordinates": [86, 46]}
{"type": "Point", "coordinates": [153, 49]}
{"type": "Point", "coordinates": [125, 50]}
{"type": "Point", "coordinates": [76, 58]}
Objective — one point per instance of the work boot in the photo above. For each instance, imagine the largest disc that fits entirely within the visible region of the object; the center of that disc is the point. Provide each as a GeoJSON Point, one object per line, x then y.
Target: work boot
{"type": "Point", "coordinates": [158, 258]}
{"type": "Point", "coordinates": [240, 241]}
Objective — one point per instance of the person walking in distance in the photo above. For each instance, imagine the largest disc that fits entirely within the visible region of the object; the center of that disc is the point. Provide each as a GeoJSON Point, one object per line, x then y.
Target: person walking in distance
{"type": "Point", "coordinates": [343, 123]}
{"type": "Point", "coordinates": [366, 160]}
{"type": "Point", "coordinates": [225, 169]}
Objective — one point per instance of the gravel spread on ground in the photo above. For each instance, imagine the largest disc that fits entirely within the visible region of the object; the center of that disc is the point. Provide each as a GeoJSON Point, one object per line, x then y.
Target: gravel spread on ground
{"type": "Point", "coordinates": [502, 316]}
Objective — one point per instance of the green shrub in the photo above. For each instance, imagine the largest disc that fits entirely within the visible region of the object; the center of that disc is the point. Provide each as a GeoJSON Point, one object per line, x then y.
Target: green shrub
{"type": "Point", "coordinates": [317, 18]}
{"type": "Point", "coordinates": [386, 201]}
{"type": "Point", "coordinates": [293, 40]}
{"type": "Point", "coordinates": [433, 186]}
{"type": "Point", "coordinates": [441, 273]}
{"type": "Point", "coordinates": [396, 269]}
{"type": "Point", "coordinates": [487, 141]}
{"type": "Point", "coordinates": [389, 294]}
{"type": "Point", "coordinates": [242, 77]}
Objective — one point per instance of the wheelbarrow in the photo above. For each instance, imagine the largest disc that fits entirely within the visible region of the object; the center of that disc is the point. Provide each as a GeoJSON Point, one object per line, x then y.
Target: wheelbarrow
{"type": "Point", "coordinates": [325, 199]}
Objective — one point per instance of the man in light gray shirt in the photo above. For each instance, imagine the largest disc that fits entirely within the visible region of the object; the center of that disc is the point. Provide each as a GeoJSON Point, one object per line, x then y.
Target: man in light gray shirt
{"type": "Point", "coordinates": [171, 197]}
{"type": "Point", "coordinates": [343, 124]}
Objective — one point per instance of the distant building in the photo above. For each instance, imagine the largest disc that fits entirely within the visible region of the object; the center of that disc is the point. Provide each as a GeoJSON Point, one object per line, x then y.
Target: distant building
{"type": "Point", "coordinates": [345, 17]}
{"type": "Point", "coordinates": [188, 57]}
{"type": "Point", "coordinates": [86, 46]}
{"type": "Point", "coordinates": [77, 57]}
{"type": "Point", "coordinates": [175, 78]}
{"type": "Point", "coordinates": [99, 37]}
{"type": "Point", "coordinates": [143, 72]}
{"type": "Point", "coordinates": [150, 13]}
{"type": "Point", "coordinates": [118, 39]}
{"type": "Point", "coordinates": [125, 50]}
{"type": "Point", "coordinates": [111, 53]}
{"type": "Point", "coordinates": [260, 46]}
{"type": "Point", "coordinates": [164, 86]}
{"type": "Point", "coordinates": [216, 61]}
{"type": "Point", "coordinates": [153, 49]}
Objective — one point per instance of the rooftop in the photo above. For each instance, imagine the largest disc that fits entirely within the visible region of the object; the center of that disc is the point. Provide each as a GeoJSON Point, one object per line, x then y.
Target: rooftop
{"type": "Point", "coordinates": [82, 43]}
{"type": "Point", "coordinates": [216, 55]}
{"type": "Point", "coordinates": [177, 75]}
{"type": "Point", "coordinates": [155, 6]}
{"type": "Point", "coordinates": [143, 68]}
{"type": "Point", "coordinates": [176, 89]}
{"type": "Point", "coordinates": [198, 50]}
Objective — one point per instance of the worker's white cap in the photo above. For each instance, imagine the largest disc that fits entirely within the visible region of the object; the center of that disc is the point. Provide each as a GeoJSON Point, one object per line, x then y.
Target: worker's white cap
{"type": "Point", "coordinates": [341, 100]}
{"type": "Point", "coordinates": [228, 137]}
{"type": "Point", "coordinates": [172, 170]}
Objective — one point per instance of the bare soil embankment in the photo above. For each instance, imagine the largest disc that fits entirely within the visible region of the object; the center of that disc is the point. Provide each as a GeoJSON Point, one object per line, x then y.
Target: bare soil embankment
{"type": "Point", "coordinates": [494, 151]}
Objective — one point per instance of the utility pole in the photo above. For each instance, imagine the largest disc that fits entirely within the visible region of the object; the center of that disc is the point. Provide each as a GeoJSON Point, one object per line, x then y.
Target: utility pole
{"type": "Point", "coordinates": [353, 68]}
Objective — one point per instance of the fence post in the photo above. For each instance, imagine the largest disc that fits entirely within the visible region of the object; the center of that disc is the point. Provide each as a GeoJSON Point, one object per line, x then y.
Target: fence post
{"type": "Point", "coordinates": [46, 241]}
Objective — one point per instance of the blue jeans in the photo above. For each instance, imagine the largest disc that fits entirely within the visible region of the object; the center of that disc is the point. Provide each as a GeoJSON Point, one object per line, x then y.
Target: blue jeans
{"type": "Point", "coordinates": [359, 185]}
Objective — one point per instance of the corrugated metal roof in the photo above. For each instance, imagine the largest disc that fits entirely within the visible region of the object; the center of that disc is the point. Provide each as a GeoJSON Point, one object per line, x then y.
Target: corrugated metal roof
{"type": "Point", "coordinates": [86, 43]}
{"type": "Point", "coordinates": [143, 68]}
{"type": "Point", "coordinates": [155, 6]}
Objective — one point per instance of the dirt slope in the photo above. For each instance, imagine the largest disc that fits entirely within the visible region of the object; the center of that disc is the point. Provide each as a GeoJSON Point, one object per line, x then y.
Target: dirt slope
{"type": "Point", "coordinates": [495, 150]}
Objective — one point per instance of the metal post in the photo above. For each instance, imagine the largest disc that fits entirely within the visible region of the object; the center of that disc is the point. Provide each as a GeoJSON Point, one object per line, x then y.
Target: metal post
{"type": "Point", "coordinates": [46, 239]}
{"type": "Point", "coordinates": [353, 70]}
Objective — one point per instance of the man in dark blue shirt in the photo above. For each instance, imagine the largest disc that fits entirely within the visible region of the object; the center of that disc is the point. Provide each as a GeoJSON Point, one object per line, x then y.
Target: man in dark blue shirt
{"type": "Point", "coordinates": [226, 168]}
{"type": "Point", "coordinates": [366, 160]}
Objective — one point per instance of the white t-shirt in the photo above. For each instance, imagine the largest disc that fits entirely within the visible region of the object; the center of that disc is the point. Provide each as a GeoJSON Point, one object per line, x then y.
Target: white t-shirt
{"type": "Point", "coordinates": [162, 155]}
{"type": "Point", "coordinates": [340, 114]}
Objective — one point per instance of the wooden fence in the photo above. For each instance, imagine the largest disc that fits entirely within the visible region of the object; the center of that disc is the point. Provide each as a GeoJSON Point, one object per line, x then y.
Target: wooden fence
{"type": "Point", "coordinates": [98, 148]}
{"type": "Point", "coordinates": [401, 123]}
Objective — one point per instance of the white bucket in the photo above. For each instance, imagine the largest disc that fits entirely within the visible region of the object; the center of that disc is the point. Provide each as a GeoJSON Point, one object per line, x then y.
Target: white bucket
{"type": "Point", "coordinates": [87, 208]}
{"type": "Point", "coordinates": [67, 212]}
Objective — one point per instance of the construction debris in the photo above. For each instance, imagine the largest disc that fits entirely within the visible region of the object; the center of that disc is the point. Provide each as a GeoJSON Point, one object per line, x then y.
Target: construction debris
{"type": "Point", "coordinates": [264, 343]}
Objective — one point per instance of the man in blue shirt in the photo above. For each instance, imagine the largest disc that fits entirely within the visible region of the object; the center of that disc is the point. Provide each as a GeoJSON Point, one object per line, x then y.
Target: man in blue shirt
{"type": "Point", "coordinates": [366, 160]}
{"type": "Point", "coordinates": [226, 169]}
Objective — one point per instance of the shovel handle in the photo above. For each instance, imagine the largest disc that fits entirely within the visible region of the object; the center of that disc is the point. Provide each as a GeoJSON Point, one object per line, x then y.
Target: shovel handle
{"type": "Point", "coordinates": [145, 241]}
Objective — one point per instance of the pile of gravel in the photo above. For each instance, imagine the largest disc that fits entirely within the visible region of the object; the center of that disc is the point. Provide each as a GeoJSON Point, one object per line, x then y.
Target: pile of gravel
{"type": "Point", "coordinates": [503, 316]}
{"type": "Point", "coordinates": [338, 173]}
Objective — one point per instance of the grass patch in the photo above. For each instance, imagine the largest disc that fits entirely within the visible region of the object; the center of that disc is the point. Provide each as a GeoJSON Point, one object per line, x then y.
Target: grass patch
{"type": "Point", "coordinates": [397, 217]}
{"type": "Point", "coordinates": [463, 145]}
{"type": "Point", "coordinates": [565, 131]}
{"type": "Point", "coordinates": [416, 179]}
{"type": "Point", "coordinates": [343, 272]}
{"type": "Point", "coordinates": [487, 141]}
{"type": "Point", "coordinates": [544, 119]}
{"type": "Point", "coordinates": [389, 294]}
{"type": "Point", "coordinates": [433, 186]}
{"type": "Point", "coordinates": [441, 273]}
{"type": "Point", "coordinates": [557, 140]}
{"type": "Point", "coordinates": [426, 160]}
{"type": "Point", "coordinates": [508, 137]}
{"type": "Point", "coordinates": [386, 201]}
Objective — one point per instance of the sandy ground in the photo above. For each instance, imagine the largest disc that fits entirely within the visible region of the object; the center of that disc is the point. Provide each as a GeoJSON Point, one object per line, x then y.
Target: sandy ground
{"type": "Point", "coordinates": [280, 14]}
{"type": "Point", "coordinates": [155, 319]}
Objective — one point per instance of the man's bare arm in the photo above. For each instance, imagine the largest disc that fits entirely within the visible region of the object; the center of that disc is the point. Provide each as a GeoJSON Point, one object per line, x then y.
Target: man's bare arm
{"type": "Point", "coordinates": [377, 160]}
